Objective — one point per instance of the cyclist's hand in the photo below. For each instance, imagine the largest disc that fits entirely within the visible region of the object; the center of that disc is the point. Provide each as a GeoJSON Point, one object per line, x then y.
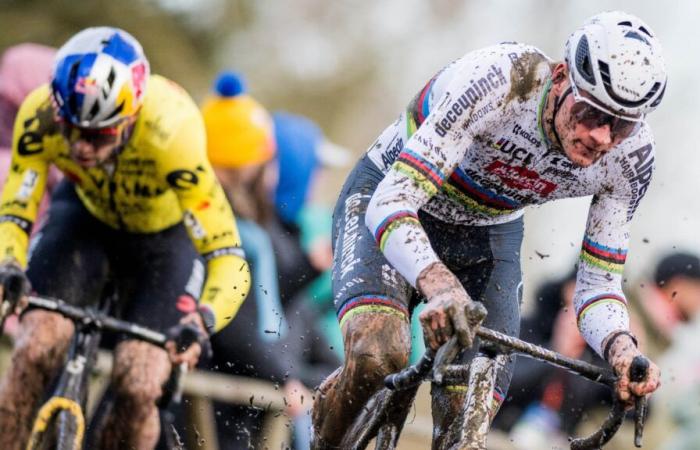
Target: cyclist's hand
{"type": "Point", "coordinates": [14, 286]}
{"type": "Point", "coordinates": [450, 310]}
{"type": "Point", "coordinates": [622, 351]}
{"type": "Point", "coordinates": [187, 340]}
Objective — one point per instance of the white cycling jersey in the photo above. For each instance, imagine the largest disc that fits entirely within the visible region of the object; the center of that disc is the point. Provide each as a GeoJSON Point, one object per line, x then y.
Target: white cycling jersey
{"type": "Point", "coordinates": [470, 149]}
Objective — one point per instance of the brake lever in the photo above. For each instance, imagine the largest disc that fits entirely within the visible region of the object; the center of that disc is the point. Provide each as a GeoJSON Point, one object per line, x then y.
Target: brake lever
{"type": "Point", "coordinates": [638, 372]}
{"type": "Point", "coordinates": [445, 355]}
{"type": "Point", "coordinates": [14, 287]}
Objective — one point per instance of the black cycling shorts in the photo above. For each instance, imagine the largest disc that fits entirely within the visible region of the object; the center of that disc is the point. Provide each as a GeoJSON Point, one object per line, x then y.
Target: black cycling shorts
{"type": "Point", "coordinates": [486, 259]}
{"type": "Point", "coordinates": [157, 276]}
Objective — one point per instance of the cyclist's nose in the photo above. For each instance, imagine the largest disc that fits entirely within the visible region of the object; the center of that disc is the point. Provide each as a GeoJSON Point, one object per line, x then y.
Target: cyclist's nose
{"type": "Point", "coordinates": [601, 135]}
{"type": "Point", "coordinates": [83, 148]}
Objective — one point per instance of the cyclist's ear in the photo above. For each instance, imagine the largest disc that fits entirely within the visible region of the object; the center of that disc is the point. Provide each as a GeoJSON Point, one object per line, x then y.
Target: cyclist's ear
{"type": "Point", "coordinates": [560, 74]}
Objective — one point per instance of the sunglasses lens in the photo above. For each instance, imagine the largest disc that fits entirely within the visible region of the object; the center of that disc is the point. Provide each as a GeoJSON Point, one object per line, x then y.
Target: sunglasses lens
{"type": "Point", "coordinates": [591, 117]}
{"type": "Point", "coordinates": [97, 137]}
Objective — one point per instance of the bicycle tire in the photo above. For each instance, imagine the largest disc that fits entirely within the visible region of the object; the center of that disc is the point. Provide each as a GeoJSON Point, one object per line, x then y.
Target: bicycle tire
{"type": "Point", "coordinates": [68, 433]}
{"type": "Point", "coordinates": [46, 440]}
{"type": "Point", "coordinates": [61, 429]}
{"type": "Point", "coordinates": [366, 426]}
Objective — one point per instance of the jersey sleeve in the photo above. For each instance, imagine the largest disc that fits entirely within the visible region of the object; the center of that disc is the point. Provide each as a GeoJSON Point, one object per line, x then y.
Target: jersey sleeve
{"type": "Point", "coordinates": [27, 175]}
{"type": "Point", "coordinates": [209, 221]}
{"type": "Point", "coordinates": [428, 159]}
{"type": "Point", "coordinates": [601, 305]}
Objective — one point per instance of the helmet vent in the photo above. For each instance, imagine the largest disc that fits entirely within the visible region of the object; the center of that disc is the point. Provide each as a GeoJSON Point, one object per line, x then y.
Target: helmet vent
{"type": "Point", "coordinates": [94, 110]}
{"type": "Point", "coordinates": [658, 99]}
{"type": "Point", "coordinates": [605, 75]}
{"type": "Point", "coordinates": [116, 111]}
{"type": "Point", "coordinates": [645, 31]}
{"type": "Point", "coordinates": [110, 78]}
{"type": "Point", "coordinates": [634, 35]}
{"type": "Point", "coordinates": [72, 99]}
{"type": "Point", "coordinates": [624, 23]}
{"type": "Point", "coordinates": [583, 61]}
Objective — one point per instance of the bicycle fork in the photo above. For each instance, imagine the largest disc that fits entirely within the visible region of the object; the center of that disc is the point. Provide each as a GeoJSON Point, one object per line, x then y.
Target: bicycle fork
{"type": "Point", "coordinates": [66, 403]}
{"type": "Point", "coordinates": [479, 407]}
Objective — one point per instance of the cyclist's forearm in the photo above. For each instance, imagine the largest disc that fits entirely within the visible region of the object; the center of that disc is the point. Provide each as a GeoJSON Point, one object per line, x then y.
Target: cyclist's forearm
{"type": "Point", "coordinates": [435, 279]}
{"type": "Point", "coordinates": [400, 236]}
{"type": "Point", "coordinates": [227, 285]}
{"type": "Point", "coordinates": [14, 241]}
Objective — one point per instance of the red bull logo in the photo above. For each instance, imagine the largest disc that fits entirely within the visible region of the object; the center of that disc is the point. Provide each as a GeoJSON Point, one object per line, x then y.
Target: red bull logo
{"type": "Point", "coordinates": [86, 86]}
{"type": "Point", "coordinates": [138, 76]}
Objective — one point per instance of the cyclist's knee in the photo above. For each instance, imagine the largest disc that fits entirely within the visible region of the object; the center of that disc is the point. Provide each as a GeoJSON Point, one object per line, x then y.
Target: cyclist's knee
{"type": "Point", "coordinates": [140, 369]}
{"type": "Point", "coordinates": [42, 340]}
{"type": "Point", "coordinates": [376, 345]}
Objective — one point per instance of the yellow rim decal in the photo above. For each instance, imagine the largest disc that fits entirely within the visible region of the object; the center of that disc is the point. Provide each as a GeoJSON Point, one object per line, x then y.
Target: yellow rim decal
{"type": "Point", "coordinates": [48, 410]}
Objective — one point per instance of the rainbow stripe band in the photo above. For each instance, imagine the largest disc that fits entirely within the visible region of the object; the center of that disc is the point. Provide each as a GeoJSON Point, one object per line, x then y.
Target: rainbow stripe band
{"type": "Point", "coordinates": [391, 223]}
{"type": "Point", "coordinates": [371, 304]}
{"type": "Point", "coordinates": [496, 402]}
{"type": "Point", "coordinates": [602, 299]}
{"type": "Point", "coordinates": [466, 191]}
{"type": "Point", "coordinates": [419, 108]}
{"type": "Point", "coordinates": [422, 107]}
{"type": "Point", "coordinates": [426, 175]}
{"type": "Point", "coordinates": [606, 258]}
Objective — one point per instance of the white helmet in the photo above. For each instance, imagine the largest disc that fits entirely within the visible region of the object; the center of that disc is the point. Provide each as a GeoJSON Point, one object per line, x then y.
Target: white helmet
{"type": "Point", "coordinates": [100, 77]}
{"type": "Point", "coordinates": [616, 58]}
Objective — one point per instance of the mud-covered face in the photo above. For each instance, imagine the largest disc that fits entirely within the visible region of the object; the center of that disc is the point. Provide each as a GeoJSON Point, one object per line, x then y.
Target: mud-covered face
{"type": "Point", "coordinates": [90, 147]}
{"type": "Point", "coordinates": [587, 132]}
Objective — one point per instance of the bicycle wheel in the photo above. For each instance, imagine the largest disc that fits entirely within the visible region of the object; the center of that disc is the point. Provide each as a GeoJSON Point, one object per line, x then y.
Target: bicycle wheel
{"type": "Point", "coordinates": [69, 431]}
{"type": "Point", "coordinates": [44, 440]}
{"type": "Point", "coordinates": [57, 428]}
{"type": "Point", "coordinates": [471, 427]}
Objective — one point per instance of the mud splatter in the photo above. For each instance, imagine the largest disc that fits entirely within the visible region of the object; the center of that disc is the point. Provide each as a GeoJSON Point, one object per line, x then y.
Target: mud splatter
{"type": "Point", "coordinates": [523, 76]}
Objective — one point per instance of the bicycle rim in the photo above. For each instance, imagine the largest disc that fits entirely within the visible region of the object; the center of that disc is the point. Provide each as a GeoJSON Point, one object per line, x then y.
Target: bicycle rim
{"type": "Point", "coordinates": [46, 440]}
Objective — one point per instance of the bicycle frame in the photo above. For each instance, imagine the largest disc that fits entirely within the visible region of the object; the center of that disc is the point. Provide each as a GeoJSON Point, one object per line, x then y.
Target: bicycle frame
{"type": "Point", "coordinates": [68, 399]}
{"type": "Point", "coordinates": [471, 431]}
{"type": "Point", "coordinates": [70, 395]}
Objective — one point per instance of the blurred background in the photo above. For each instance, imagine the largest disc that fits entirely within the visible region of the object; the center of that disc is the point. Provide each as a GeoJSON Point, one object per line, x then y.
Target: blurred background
{"type": "Point", "coordinates": [352, 65]}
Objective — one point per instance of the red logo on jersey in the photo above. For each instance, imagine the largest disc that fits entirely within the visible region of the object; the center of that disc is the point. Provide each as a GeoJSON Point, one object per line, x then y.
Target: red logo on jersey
{"type": "Point", "coordinates": [519, 177]}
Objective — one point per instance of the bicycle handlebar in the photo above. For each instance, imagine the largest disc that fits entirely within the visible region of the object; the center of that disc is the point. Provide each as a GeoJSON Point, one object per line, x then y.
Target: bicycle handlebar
{"type": "Point", "coordinates": [637, 372]}
{"type": "Point", "coordinates": [512, 344]}
{"type": "Point", "coordinates": [411, 375]}
{"type": "Point", "coordinates": [415, 374]}
{"type": "Point", "coordinates": [99, 320]}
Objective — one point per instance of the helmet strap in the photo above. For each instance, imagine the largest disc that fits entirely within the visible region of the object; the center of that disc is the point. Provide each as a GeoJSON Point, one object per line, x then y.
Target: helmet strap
{"type": "Point", "coordinates": [126, 134]}
{"type": "Point", "coordinates": [558, 101]}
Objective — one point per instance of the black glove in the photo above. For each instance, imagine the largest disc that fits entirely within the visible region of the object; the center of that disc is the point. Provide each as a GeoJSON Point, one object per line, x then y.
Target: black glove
{"type": "Point", "coordinates": [186, 334]}
{"type": "Point", "coordinates": [14, 282]}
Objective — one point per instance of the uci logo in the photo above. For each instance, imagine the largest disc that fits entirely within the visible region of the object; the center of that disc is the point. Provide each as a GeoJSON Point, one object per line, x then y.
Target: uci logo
{"type": "Point", "coordinates": [517, 154]}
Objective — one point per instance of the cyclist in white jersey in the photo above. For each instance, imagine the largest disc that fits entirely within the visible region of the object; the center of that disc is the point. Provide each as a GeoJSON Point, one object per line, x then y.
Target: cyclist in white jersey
{"type": "Point", "coordinates": [442, 193]}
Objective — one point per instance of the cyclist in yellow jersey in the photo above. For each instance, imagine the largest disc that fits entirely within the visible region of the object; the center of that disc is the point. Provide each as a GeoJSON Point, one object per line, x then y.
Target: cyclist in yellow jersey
{"type": "Point", "coordinates": [139, 192]}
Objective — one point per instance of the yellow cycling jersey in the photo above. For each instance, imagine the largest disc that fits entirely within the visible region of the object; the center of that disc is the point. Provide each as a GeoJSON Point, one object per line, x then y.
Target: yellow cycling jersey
{"type": "Point", "coordinates": [160, 177]}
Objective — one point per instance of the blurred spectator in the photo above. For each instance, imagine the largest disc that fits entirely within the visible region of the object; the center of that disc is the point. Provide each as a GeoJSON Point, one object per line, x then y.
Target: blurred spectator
{"type": "Point", "coordinates": [23, 68]}
{"type": "Point", "coordinates": [545, 404]}
{"type": "Point", "coordinates": [674, 314]}
{"type": "Point", "coordinates": [669, 300]}
{"type": "Point", "coordinates": [258, 343]}
{"type": "Point", "coordinates": [301, 234]}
